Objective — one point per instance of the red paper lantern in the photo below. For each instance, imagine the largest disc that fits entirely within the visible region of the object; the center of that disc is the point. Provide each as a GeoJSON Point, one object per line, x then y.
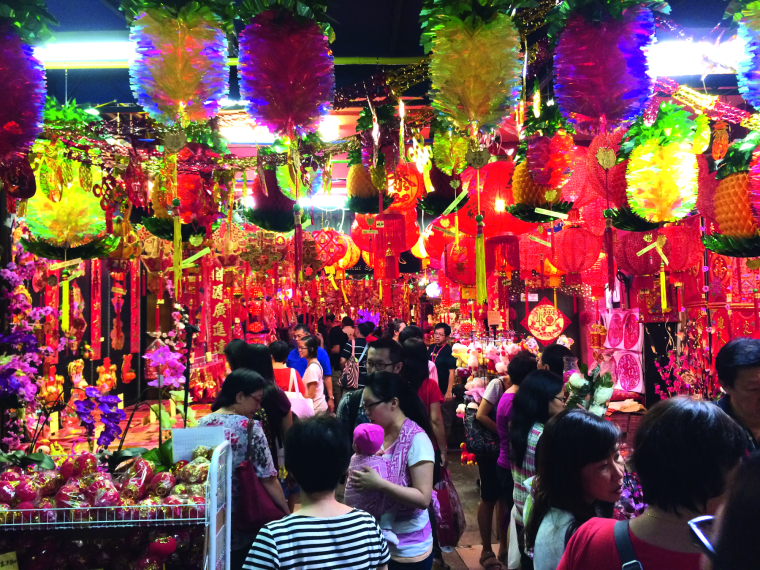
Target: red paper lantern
{"type": "Point", "coordinates": [331, 246]}
{"type": "Point", "coordinates": [530, 255]}
{"type": "Point", "coordinates": [353, 254]}
{"type": "Point", "coordinates": [503, 253]}
{"type": "Point", "coordinates": [628, 244]}
{"type": "Point", "coordinates": [436, 236]}
{"type": "Point", "coordinates": [412, 228]}
{"type": "Point", "coordinates": [686, 250]}
{"type": "Point", "coordinates": [608, 184]}
{"type": "Point", "coordinates": [592, 216]}
{"type": "Point", "coordinates": [459, 261]}
{"type": "Point", "coordinates": [596, 276]}
{"type": "Point", "coordinates": [576, 190]}
{"type": "Point", "coordinates": [406, 185]}
{"type": "Point", "coordinates": [575, 250]}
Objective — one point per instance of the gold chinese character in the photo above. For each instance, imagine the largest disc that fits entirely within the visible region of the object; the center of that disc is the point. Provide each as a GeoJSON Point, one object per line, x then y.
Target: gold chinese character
{"type": "Point", "coordinates": [220, 310]}
{"type": "Point", "coordinates": [219, 274]}
{"type": "Point", "coordinates": [219, 330]}
{"type": "Point", "coordinates": [217, 292]}
{"type": "Point", "coordinates": [220, 346]}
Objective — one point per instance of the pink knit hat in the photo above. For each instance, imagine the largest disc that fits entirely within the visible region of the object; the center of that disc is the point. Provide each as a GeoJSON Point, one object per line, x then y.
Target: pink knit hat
{"type": "Point", "coordinates": [368, 438]}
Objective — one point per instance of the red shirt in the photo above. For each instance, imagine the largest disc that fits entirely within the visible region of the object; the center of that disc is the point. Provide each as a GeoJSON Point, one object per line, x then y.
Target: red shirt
{"type": "Point", "coordinates": [593, 547]}
{"type": "Point", "coordinates": [282, 379]}
{"type": "Point", "coordinates": [430, 393]}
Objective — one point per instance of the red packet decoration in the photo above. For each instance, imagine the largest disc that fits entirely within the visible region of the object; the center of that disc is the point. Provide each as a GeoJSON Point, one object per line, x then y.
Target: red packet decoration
{"type": "Point", "coordinates": [51, 321]}
{"type": "Point", "coordinates": [545, 322]}
{"type": "Point", "coordinates": [78, 324]}
{"type": "Point", "coordinates": [134, 310]}
{"type": "Point", "coordinates": [118, 291]}
{"type": "Point", "coordinates": [95, 307]}
{"type": "Point", "coordinates": [219, 312]}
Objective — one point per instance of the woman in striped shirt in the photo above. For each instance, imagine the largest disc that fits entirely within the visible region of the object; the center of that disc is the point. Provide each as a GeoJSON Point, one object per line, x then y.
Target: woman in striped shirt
{"type": "Point", "coordinates": [540, 397]}
{"type": "Point", "coordinates": [323, 533]}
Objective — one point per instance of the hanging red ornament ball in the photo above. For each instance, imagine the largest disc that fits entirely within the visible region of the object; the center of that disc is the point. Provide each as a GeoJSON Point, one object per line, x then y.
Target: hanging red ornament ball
{"type": "Point", "coordinates": [575, 249]}
{"type": "Point", "coordinates": [406, 184]}
{"type": "Point", "coordinates": [592, 215]}
{"type": "Point", "coordinates": [436, 236]}
{"type": "Point", "coordinates": [495, 198]}
{"type": "Point", "coordinates": [192, 203]}
{"type": "Point", "coordinates": [576, 190]}
{"type": "Point", "coordinates": [530, 254]}
{"type": "Point", "coordinates": [706, 186]}
{"type": "Point", "coordinates": [628, 244]}
{"type": "Point", "coordinates": [608, 184]}
{"type": "Point", "coordinates": [686, 249]}
{"type": "Point", "coordinates": [504, 253]}
{"type": "Point", "coordinates": [411, 228]}
{"type": "Point", "coordinates": [596, 276]}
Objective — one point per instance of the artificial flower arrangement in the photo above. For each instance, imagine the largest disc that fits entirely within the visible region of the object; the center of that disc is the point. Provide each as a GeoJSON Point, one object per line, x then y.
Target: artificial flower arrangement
{"type": "Point", "coordinates": [590, 391]}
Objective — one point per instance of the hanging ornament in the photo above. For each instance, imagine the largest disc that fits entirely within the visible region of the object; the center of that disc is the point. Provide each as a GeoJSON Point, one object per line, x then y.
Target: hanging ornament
{"type": "Point", "coordinates": [601, 73]}
{"type": "Point", "coordinates": [406, 185]}
{"type": "Point", "coordinates": [180, 71]}
{"type": "Point", "coordinates": [286, 72]}
{"type": "Point", "coordinates": [605, 176]}
{"type": "Point", "coordinates": [459, 261]}
{"type": "Point", "coordinates": [353, 254]}
{"type": "Point", "coordinates": [738, 189]}
{"type": "Point", "coordinates": [23, 81]}
{"type": "Point", "coordinates": [475, 69]}
{"type": "Point", "coordinates": [720, 140]}
{"type": "Point", "coordinates": [272, 211]}
{"type": "Point", "coordinates": [662, 169]}
{"type": "Point", "coordinates": [331, 246]}
{"type": "Point", "coordinates": [575, 250]}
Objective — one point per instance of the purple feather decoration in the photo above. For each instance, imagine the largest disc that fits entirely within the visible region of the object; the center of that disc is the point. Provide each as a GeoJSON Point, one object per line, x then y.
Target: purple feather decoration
{"type": "Point", "coordinates": [23, 81]}
{"type": "Point", "coordinates": [287, 73]}
{"type": "Point", "coordinates": [601, 73]}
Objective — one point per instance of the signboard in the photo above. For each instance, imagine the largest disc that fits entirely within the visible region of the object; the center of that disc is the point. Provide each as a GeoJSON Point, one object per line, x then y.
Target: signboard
{"type": "Point", "coordinates": [545, 322]}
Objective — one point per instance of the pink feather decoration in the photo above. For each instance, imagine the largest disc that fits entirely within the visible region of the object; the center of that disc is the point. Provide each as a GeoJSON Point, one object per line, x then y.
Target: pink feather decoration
{"type": "Point", "coordinates": [23, 81]}
{"type": "Point", "coordinates": [287, 72]}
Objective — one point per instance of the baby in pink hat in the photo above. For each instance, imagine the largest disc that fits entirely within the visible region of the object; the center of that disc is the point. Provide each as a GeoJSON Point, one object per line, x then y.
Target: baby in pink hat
{"type": "Point", "coordinates": [368, 439]}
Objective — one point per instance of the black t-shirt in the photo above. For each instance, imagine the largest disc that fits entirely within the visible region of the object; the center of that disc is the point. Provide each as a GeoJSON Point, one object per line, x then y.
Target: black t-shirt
{"type": "Point", "coordinates": [444, 361]}
{"type": "Point", "coordinates": [336, 337]}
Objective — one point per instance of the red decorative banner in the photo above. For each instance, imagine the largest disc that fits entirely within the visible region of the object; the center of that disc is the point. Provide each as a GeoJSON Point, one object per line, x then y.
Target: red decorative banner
{"type": "Point", "coordinates": [51, 322]}
{"type": "Point", "coordinates": [545, 322]}
{"type": "Point", "coordinates": [96, 276]}
{"type": "Point", "coordinates": [134, 312]}
{"type": "Point", "coordinates": [219, 312]}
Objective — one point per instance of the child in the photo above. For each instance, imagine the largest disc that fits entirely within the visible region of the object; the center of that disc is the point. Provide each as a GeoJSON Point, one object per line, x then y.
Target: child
{"type": "Point", "coordinates": [368, 439]}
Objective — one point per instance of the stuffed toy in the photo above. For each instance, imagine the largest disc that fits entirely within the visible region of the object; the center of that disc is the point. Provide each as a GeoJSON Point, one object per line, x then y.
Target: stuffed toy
{"type": "Point", "coordinates": [106, 376]}
{"type": "Point", "coordinates": [530, 344]}
{"type": "Point", "coordinates": [467, 458]}
{"type": "Point", "coordinates": [459, 351]}
{"type": "Point", "coordinates": [474, 355]}
{"type": "Point", "coordinates": [475, 388]}
{"type": "Point", "coordinates": [564, 341]}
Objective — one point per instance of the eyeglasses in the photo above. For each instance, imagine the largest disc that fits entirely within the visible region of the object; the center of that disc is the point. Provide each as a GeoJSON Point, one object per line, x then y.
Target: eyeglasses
{"type": "Point", "coordinates": [441, 334]}
{"type": "Point", "coordinates": [381, 366]}
{"type": "Point", "coordinates": [369, 407]}
{"type": "Point", "coordinates": [560, 399]}
{"type": "Point", "coordinates": [700, 527]}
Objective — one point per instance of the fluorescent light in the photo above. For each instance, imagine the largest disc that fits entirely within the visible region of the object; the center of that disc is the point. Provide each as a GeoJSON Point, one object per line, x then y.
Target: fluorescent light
{"type": "Point", "coordinates": [683, 57]}
{"type": "Point", "coordinates": [329, 128]}
{"type": "Point", "coordinates": [248, 201]}
{"type": "Point", "coordinates": [92, 111]}
{"type": "Point", "coordinates": [245, 134]}
{"type": "Point", "coordinates": [328, 201]}
{"type": "Point", "coordinates": [73, 52]}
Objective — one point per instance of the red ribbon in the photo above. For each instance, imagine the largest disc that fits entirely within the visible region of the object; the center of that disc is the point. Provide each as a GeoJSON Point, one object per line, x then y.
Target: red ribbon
{"type": "Point", "coordinates": [96, 285]}
{"type": "Point", "coordinates": [134, 309]}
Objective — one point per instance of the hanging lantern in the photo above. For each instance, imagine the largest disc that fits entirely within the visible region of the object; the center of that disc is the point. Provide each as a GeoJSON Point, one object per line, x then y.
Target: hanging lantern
{"type": "Point", "coordinates": [601, 73]}
{"type": "Point", "coordinates": [459, 261]}
{"type": "Point", "coordinates": [592, 216]}
{"type": "Point", "coordinates": [530, 255]}
{"type": "Point", "coordinates": [737, 190]}
{"type": "Point", "coordinates": [180, 71]}
{"type": "Point", "coordinates": [575, 250]}
{"type": "Point", "coordinates": [605, 177]}
{"type": "Point", "coordinates": [286, 71]}
{"type": "Point", "coordinates": [576, 190]}
{"type": "Point", "coordinates": [419, 250]}
{"type": "Point", "coordinates": [353, 254]}
{"type": "Point", "coordinates": [503, 252]}
{"type": "Point", "coordinates": [405, 184]}
{"type": "Point", "coordinates": [596, 276]}
{"type": "Point", "coordinates": [686, 250]}
{"type": "Point", "coordinates": [436, 236]}
{"type": "Point", "coordinates": [411, 228]}
{"type": "Point", "coordinates": [362, 224]}
{"type": "Point", "coordinates": [630, 243]}
{"type": "Point", "coordinates": [330, 246]}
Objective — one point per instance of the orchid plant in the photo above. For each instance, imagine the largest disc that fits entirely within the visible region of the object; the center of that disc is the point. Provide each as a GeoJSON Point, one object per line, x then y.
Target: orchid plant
{"type": "Point", "coordinates": [110, 415]}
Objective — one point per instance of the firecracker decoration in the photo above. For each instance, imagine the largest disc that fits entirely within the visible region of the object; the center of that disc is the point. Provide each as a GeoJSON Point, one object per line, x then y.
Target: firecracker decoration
{"type": "Point", "coordinates": [601, 73]}
{"type": "Point", "coordinates": [733, 203]}
{"type": "Point", "coordinates": [286, 72]}
{"type": "Point", "coordinates": [720, 140]}
{"type": "Point", "coordinates": [747, 74]}
{"type": "Point", "coordinates": [662, 169]}
{"type": "Point", "coordinates": [180, 71]}
{"type": "Point", "coordinates": [475, 69]}
{"type": "Point", "coordinates": [23, 80]}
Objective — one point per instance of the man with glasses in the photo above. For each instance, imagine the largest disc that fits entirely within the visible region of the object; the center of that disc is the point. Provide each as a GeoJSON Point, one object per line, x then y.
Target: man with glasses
{"type": "Point", "coordinates": [299, 363]}
{"type": "Point", "coordinates": [441, 356]}
{"type": "Point", "coordinates": [383, 355]}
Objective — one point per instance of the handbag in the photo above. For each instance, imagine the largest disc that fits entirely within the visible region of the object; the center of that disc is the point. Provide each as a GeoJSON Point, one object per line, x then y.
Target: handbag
{"type": "Point", "coordinates": [255, 507]}
{"type": "Point", "coordinates": [300, 406]}
{"type": "Point", "coordinates": [451, 525]}
{"type": "Point", "coordinates": [479, 440]}
{"type": "Point", "coordinates": [350, 376]}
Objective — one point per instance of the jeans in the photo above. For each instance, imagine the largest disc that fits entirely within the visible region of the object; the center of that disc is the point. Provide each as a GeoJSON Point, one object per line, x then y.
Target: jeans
{"type": "Point", "coordinates": [426, 564]}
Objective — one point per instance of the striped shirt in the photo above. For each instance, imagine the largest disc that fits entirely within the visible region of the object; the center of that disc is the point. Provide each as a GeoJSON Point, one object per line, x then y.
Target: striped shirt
{"type": "Point", "coordinates": [526, 471]}
{"type": "Point", "coordinates": [350, 541]}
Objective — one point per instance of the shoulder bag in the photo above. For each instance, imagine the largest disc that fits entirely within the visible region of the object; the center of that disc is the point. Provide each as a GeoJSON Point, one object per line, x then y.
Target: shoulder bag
{"type": "Point", "coordinates": [300, 406]}
{"type": "Point", "coordinates": [350, 376]}
{"type": "Point", "coordinates": [624, 547]}
{"type": "Point", "coordinates": [255, 507]}
{"type": "Point", "coordinates": [479, 440]}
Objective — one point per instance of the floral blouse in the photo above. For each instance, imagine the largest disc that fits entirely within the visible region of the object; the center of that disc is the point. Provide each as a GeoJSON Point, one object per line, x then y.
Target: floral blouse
{"type": "Point", "coordinates": [236, 432]}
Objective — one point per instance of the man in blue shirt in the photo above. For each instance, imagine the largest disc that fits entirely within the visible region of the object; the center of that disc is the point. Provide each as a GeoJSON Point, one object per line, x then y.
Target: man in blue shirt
{"type": "Point", "coordinates": [298, 363]}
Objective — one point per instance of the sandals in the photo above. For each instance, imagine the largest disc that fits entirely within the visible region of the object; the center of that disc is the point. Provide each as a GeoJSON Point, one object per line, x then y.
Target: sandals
{"type": "Point", "coordinates": [489, 562]}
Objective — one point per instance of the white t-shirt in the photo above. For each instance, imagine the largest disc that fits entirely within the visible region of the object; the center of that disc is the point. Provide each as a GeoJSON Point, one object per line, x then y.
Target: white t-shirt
{"type": "Point", "coordinates": [550, 539]}
{"type": "Point", "coordinates": [493, 391]}
{"type": "Point", "coordinates": [420, 450]}
{"type": "Point", "coordinates": [313, 374]}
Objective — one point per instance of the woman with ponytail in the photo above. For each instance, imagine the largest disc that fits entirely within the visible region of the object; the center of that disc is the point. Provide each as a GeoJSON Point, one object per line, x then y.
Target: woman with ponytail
{"type": "Point", "coordinates": [237, 402]}
{"type": "Point", "coordinates": [391, 403]}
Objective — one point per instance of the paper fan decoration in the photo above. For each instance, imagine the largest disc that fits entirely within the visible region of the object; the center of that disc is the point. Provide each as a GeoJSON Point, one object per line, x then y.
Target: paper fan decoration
{"type": "Point", "coordinates": [286, 71]}
{"type": "Point", "coordinates": [475, 69]}
{"type": "Point", "coordinates": [23, 81]}
{"type": "Point", "coordinates": [76, 220]}
{"type": "Point", "coordinates": [180, 73]}
{"type": "Point", "coordinates": [601, 73]}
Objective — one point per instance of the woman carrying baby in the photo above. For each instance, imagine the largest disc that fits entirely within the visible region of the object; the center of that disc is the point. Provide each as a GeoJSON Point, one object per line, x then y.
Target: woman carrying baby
{"type": "Point", "coordinates": [390, 403]}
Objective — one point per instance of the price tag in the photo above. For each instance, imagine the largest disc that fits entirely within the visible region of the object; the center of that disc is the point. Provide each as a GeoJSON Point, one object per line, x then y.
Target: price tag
{"type": "Point", "coordinates": [120, 405]}
{"type": "Point", "coordinates": [468, 292]}
{"type": "Point", "coordinates": [63, 264]}
{"type": "Point", "coordinates": [551, 213]}
{"type": "Point", "coordinates": [369, 231]}
{"type": "Point", "coordinates": [539, 240]}
{"type": "Point", "coordinates": [54, 424]}
{"type": "Point", "coordinates": [380, 224]}
{"type": "Point", "coordinates": [118, 291]}
{"type": "Point", "coordinates": [9, 561]}
{"type": "Point", "coordinates": [494, 318]}
{"type": "Point", "coordinates": [532, 297]}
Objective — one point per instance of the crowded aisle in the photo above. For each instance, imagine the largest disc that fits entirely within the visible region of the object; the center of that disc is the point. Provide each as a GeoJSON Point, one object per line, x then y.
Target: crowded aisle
{"type": "Point", "coordinates": [379, 284]}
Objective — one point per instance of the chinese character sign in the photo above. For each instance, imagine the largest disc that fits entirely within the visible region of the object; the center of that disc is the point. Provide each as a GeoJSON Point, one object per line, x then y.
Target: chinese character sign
{"type": "Point", "coordinates": [545, 322]}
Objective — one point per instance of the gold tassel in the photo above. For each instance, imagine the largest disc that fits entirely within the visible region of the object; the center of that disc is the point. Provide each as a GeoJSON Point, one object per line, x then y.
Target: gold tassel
{"type": "Point", "coordinates": [177, 256]}
{"type": "Point", "coordinates": [65, 303]}
{"type": "Point", "coordinates": [663, 288]}
{"type": "Point", "coordinates": [555, 298]}
{"type": "Point", "coordinates": [481, 288]}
